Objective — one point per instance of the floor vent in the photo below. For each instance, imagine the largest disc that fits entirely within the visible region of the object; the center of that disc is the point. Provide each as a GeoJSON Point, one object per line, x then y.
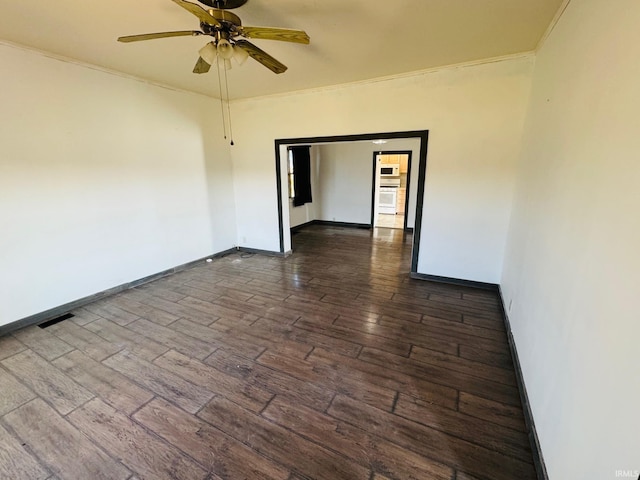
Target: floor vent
{"type": "Point", "coordinates": [56, 320]}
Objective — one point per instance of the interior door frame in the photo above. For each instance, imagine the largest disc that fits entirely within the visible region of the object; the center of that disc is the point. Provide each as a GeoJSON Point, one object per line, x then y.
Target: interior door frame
{"type": "Point", "coordinates": [422, 135]}
{"type": "Point", "coordinates": [409, 153]}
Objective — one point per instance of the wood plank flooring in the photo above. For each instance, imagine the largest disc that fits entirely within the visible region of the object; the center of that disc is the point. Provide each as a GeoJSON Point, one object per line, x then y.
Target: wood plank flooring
{"type": "Point", "coordinates": [329, 364]}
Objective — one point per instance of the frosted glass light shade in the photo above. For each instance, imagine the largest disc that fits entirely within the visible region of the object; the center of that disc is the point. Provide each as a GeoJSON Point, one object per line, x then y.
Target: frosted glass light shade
{"type": "Point", "coordinates": [240, 54]}
{"type": "Point", "coordinates": [209, 53]}
{"type": "Point", "coordinates": [225, 49]}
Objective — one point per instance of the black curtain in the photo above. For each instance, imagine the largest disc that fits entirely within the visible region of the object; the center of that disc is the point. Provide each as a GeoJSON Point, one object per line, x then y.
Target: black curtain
{"type": "Point", "coordinates": [301, 175]}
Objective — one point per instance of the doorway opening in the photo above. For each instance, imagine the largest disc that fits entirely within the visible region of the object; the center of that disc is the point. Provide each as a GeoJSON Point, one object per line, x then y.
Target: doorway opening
{"type": "Point", "coordinates": [391, 182]}
{"type": "Point", "coordinates": [282, 177]}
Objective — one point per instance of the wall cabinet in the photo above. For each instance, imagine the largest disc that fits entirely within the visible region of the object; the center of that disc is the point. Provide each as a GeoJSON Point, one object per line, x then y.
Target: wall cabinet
{"type": "Point", "coordinates": [389, 159]}
{"type": "Point", "coordinates": [402, 160]}
{"type": "Point", "coordinates": [404, 163]}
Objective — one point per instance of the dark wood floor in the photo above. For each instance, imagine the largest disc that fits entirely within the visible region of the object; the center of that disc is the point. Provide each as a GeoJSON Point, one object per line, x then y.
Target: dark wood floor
{"type": "Point", "coordinates": [330, 364]}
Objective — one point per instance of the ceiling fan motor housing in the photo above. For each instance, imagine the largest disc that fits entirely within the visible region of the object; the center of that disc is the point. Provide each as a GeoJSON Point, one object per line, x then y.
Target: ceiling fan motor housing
{"type": "Point", "coordinates": [228, 27]}
{"type": "Point", "coordinates": [223, 4]}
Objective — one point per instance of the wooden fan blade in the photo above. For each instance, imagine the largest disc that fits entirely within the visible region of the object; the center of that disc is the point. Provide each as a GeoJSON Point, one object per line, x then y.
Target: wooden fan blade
{"type": "Point", "coordinates": [282, 34]}
{"type": "Point", "coordinates": [151, 36]}
{"type": "Point", "coordinates": [201, 66]}
{"type": "Point", "coordinates": [199, 12]}
{"type": "Point", "coordinates": [261, 56]}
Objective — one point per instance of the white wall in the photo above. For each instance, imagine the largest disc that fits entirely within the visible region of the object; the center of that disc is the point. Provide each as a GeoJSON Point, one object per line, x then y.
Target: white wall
{"type": "Point", "coordinates": [474, 115]}
{"type": "Point", "coordinates": [572, 267]}
{"type": "Point", "coordinates": [345, 182]}
{"type": "Point", "coordinates": [103, 180]}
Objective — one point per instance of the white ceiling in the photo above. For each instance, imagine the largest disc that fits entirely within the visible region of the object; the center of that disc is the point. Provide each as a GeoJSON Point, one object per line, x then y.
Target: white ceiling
{"type": "Point", "coordinates": [351, 40]}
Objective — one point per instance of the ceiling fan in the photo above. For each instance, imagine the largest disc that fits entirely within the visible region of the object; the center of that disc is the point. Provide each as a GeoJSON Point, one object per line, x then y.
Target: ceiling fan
{"type": "Point", "coordinates": [226, 29]}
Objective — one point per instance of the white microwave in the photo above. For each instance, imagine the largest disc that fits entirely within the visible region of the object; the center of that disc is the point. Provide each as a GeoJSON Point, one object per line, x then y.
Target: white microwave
{"type": "Point", "coordinates": [389, 170]}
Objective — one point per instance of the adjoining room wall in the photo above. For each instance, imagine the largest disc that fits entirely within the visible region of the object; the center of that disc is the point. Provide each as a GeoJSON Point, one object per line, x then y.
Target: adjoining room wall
{"type": "Point", "coordinates": [345, 182]}
{"type": "Point", "coordinates": [572, 268]}
{"type": "Point", "coordinates": [103, 180]}
{"type": "Point", "coordinates": [474, 115]}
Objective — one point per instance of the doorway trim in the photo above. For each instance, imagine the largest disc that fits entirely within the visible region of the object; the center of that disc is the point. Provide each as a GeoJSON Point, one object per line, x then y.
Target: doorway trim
{"type": "Point", "coordinates": [422, 135]}
{"type": "Point", "coordinates": [409, 154]}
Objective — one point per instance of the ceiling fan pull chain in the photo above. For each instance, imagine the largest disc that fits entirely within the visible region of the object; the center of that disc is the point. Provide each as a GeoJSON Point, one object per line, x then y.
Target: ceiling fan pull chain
{"type": "Point", "coordinates": [224, 125]}
{"type": "Point", "coordinates": [226, 84]}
